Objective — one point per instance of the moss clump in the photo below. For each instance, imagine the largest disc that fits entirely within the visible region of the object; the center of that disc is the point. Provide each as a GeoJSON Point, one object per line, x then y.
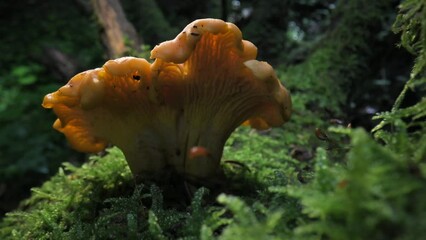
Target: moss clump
{"type": "Point", "coordinates": [71, 194]}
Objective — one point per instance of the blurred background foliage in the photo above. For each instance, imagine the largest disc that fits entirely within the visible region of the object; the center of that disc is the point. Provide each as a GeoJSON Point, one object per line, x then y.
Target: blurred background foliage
{"type": "Point", "coordinates": [342, 63]}
{"type": "Point", "coordinates": [31, 30]}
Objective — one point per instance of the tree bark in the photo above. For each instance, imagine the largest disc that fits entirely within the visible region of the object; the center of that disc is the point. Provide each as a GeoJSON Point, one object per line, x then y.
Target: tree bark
{"type": "Point", "coordinates": [117, 31]}
{"type": "Point", "coordinates": [60, 64]}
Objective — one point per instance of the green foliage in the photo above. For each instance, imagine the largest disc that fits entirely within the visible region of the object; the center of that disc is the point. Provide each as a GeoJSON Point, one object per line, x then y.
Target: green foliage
{"type": "Point", "coordinates": [76, 190]}
{"type": "Point", "coordinates": [377, 193]}
{"type": "Point", "coordinates": [246, 225]}
{"type": "Point", "coordinates": [372, 196]}
{"type": "Point", "coordinates": [341, 59]}
{"type": "Point", "coordinates": [30, 151]}
{"type": "Point", "coordinates": [411, 24]}
{"type": "Point", "coordinates": [24, 124]}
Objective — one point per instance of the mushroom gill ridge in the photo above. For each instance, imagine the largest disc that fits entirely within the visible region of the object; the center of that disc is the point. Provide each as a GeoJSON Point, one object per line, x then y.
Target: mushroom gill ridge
{"type": "Point", "coordinates": [177, 112]}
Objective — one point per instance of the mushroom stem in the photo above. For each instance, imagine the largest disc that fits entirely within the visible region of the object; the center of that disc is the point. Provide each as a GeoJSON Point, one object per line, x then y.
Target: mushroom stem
{"type": "Point", "coordinates": [146, 153]}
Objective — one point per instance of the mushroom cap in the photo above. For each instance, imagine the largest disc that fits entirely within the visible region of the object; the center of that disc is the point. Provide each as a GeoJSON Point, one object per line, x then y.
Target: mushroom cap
{"type": "Point", "coordinates": [201, 86]}
{"type": "Point", "coordinates": [89, 92]}
{"type": "Point", "coordinates": [224, 41]}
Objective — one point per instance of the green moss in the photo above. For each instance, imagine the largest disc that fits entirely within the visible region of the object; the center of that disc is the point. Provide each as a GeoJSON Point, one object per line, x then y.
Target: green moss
{"type": "Point", "coordinates": [372, 196]}
{"type": "Point", "coordinates": [69, 198]}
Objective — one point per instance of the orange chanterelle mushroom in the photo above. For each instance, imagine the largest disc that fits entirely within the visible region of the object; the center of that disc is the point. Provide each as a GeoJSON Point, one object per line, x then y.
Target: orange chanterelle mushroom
{"type": "Point", "coordinates": [177, 112]}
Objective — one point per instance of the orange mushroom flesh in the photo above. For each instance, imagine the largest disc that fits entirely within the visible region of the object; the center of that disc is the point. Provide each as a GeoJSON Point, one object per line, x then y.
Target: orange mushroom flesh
{"type": "Point", "coordinates": [177, 112]}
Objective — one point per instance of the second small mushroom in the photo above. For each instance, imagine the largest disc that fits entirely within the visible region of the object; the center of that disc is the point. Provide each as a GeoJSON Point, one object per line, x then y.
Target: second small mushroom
{"type": "Point", "coordinates": [177, 112]}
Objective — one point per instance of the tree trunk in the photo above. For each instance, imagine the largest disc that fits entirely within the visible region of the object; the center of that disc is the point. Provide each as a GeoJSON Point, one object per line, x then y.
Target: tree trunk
{"type": "Point", "coordinates": [60, 64]}
{"type": "Point", "coordinates": [117, 31]}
